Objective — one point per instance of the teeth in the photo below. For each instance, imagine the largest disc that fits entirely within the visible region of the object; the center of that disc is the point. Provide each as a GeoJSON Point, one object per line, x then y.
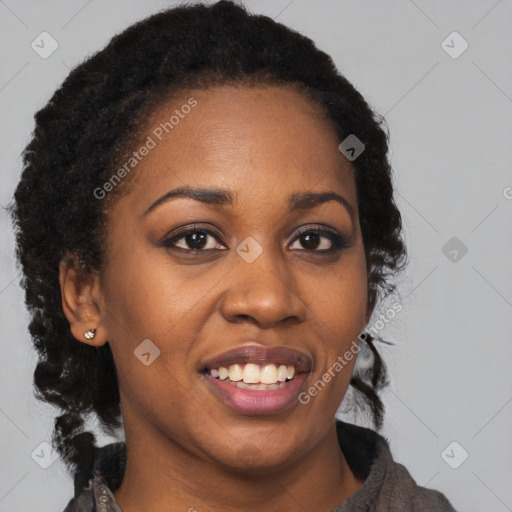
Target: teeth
{"type": "Point", "coordinates": [235, 372]}
{"type": "Point", "coordinates": [252, 373]}
{"type": "Point", "coordinates": [258, 387]}
{"type": "Point", "coordinates": [282, 373]}
{"type": "Point", "coordinates": [269, 376]}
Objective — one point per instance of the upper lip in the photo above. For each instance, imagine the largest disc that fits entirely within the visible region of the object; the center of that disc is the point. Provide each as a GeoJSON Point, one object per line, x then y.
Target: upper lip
{"type": "Point", "coordinates": [257, 354]}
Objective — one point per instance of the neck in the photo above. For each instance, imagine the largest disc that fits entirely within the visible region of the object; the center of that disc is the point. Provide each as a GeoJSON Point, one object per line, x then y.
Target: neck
{"type": "Point", "coordinates": [162, 476]}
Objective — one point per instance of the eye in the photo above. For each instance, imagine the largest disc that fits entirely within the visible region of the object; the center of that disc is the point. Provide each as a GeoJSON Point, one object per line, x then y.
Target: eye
{"type": "Point", "coordinates": [320, 240]}
{"type": "Point", "coordinates": [197, 239]}
{"type": "Point", "coordinates": [194, 239]}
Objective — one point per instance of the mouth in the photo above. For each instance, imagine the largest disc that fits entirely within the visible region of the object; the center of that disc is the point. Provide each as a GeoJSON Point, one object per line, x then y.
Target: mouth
{"type": "Point", "coordinates": [258, 380]}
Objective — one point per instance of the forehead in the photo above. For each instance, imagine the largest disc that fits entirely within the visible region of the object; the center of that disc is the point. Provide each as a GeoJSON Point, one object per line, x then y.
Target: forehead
{"type": "Point", "coordinates": [263, 140]}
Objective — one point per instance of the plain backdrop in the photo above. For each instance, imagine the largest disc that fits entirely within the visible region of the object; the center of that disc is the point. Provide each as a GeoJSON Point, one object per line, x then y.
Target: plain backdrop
{"type": "Point", "coordinates": [449, 110]}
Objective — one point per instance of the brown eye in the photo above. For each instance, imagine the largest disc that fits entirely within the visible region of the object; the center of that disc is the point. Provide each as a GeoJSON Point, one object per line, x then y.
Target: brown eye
{"type": "Point", "coordinates": [310, 241]}
{"type": "Point", "coordinates": [320, 241]}
{"type": "Point", "coordinates": [194, 240]}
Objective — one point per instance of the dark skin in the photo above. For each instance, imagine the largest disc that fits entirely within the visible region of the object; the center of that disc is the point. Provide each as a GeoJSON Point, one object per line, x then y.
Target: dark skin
{"type": "Point", "coordinates": [188, 449]}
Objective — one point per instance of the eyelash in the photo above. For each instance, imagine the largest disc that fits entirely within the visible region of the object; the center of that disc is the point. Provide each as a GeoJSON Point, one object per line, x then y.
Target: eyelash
{"type": "Point", "coordinates": [338, 241]}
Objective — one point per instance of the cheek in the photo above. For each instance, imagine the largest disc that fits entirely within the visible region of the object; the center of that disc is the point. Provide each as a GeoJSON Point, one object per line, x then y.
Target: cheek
{"type": "Point", "coordinates": [152, 309]}
{"type": "Point", "coordinates": [339, 303]}
{"type": "Point", "coordinates": [339, 311]}
{"type": "Point", "coordinates": [150, 295]}
{"type": "Point", "coordinates": [148, 298]}
{"type": "Point", "coordinates": [143, 303]}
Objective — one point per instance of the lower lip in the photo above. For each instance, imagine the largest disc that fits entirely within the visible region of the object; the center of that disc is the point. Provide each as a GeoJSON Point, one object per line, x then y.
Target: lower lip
{"type": "Point", "coordinates": [258, 402]}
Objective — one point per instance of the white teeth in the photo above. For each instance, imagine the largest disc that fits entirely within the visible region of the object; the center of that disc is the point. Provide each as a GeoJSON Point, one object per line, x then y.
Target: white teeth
{"type": "Point", "coordinates": [251, 373]}
{"type": "Point", "coordinates": [258, 387]}
{"type": "Point", "coordinates": [282, 373]}
{"type": "Point", "coordinates": [269, 374]}
{"type": "Point", "coordinates": [235, 372]}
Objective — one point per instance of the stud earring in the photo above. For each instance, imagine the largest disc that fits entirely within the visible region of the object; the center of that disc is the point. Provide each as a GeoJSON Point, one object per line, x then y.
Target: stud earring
{"type": "Point", "coordinates": [89, 335]}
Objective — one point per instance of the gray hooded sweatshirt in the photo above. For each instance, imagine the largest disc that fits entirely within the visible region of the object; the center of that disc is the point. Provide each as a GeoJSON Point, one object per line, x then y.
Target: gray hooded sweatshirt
{"type": "Point", "coordinates": [388, 486]}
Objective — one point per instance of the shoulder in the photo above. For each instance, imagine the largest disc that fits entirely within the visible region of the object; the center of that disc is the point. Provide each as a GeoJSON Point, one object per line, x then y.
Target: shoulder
{"type": "Point", "coordinates": [387, 485]}
{"type": "Point", "coordinates": [405, 494]}
{"type": "Point", "coordinates": [84, 502]}
{"type": "Point", "coordinates": [102, 478]}
{"type": "Point", "coordinates": [98, 497]}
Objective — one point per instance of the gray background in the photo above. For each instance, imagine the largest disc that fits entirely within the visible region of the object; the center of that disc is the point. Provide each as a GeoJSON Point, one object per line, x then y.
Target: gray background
{"type": "Point", "coordinates": [450, 121]}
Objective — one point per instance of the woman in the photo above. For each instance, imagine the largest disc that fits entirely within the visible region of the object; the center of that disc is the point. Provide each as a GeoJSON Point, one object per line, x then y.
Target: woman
{"type": "Point", "coordinates": [205, 223]}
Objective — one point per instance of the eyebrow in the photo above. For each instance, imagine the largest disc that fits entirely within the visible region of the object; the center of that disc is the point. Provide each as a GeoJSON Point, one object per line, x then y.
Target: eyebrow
{"type": "Point", "coordinates": [220, 197]}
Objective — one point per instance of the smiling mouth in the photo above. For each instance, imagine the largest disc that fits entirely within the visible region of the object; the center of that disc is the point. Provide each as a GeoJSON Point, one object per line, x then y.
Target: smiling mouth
{"type": "Point", "coordinates": [256, 377]}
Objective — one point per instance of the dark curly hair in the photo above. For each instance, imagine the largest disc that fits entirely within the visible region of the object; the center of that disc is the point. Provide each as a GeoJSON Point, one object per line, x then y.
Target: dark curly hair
{"type": "Point", "coordinates": [90, 123]}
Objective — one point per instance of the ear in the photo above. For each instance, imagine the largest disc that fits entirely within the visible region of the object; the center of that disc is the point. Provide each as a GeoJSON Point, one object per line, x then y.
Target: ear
{"type": "Point", "coordinates": [82, 302]}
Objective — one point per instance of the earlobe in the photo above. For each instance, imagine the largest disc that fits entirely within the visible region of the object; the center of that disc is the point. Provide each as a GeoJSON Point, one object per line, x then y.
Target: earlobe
{"type": "Point", "coordinates": [82, 303]}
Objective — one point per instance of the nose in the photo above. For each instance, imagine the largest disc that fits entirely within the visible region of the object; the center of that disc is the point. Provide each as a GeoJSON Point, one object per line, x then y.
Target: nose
{"type": "Point", "coordinates": [263, 292]}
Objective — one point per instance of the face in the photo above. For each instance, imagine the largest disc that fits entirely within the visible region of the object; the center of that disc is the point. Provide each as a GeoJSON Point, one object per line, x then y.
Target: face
{"type": "Point", "coordinates": [266, 260]}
